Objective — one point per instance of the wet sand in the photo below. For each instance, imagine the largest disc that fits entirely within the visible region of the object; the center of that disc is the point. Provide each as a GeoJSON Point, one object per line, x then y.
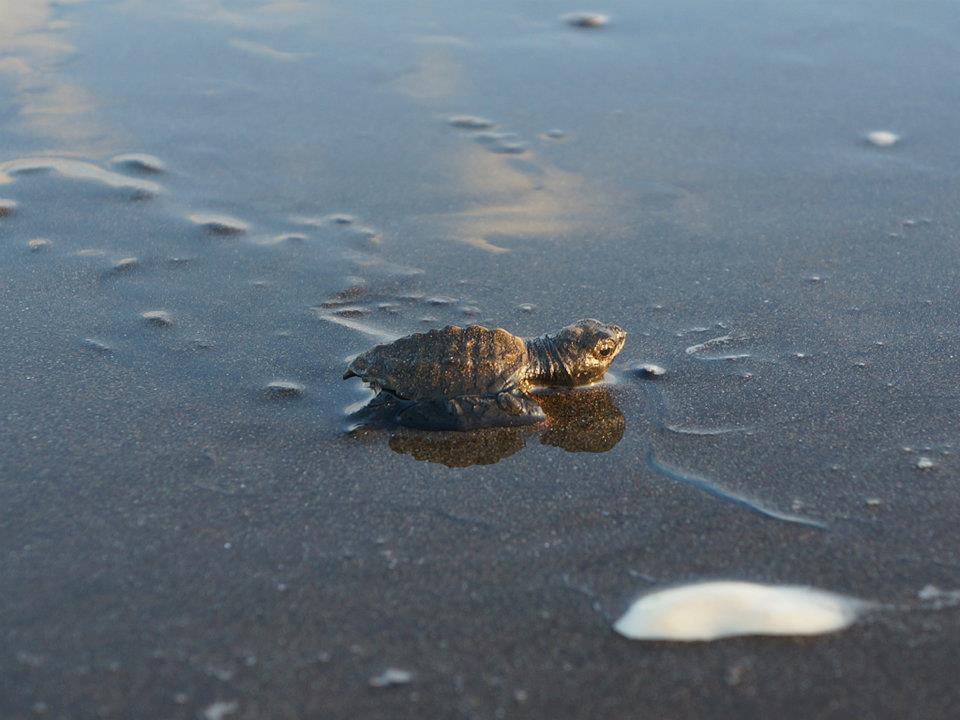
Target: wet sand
{"type": "Point", "coordinates": [206, 209]}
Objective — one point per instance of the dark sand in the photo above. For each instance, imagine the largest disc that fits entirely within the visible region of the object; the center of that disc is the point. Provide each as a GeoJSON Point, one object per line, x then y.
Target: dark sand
{"type": "Point", "coordinates": [176, 534]}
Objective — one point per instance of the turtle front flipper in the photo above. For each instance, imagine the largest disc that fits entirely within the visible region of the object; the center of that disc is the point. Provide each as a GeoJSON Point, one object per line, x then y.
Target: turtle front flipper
{"type": "Point", "coordinates": [471, 412]}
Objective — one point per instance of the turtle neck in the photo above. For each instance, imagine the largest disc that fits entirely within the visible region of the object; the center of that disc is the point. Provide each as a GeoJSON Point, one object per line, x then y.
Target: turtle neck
{"type": "Point", "coordinates": [546, 362]}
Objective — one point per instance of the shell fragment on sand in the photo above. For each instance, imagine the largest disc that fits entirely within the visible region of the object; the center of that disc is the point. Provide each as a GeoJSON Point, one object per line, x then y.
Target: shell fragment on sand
{"type": "Point", "coordinates": [714, 610]}
{"type": "Point", "coordinates": [391, 677]}
{"type": "Point", "coordinates": [882, 138]}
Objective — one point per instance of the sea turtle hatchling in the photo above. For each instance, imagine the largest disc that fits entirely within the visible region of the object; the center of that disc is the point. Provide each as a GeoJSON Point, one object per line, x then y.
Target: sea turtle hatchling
{"type": "Point", "coordinates": [462, 378]}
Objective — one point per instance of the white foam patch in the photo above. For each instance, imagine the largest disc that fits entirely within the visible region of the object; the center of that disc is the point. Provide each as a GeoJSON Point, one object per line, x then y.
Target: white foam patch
{"type": "Point", "coordinates": [77, 170]}
{"type": "Point", "coordinates": [713, 610]}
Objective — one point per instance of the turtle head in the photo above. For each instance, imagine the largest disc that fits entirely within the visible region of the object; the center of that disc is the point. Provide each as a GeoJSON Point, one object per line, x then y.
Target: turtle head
{"type": "Point", "coordinates": [586, 349]}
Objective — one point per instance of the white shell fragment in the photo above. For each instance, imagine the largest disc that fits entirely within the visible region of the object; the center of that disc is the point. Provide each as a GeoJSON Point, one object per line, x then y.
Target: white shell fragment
{"type": "Point", "coordinates": [713, 610]}
{"type": "Point", "coordinates": [220, 709]}
{"type": "Point", "coordinates": [882, 138]}
{"type": "Point", "coordinates": [391, 677]}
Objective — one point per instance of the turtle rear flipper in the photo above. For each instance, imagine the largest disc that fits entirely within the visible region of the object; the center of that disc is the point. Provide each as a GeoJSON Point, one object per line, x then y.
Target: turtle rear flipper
{"type": "Point", "coordinates": [471, 412]}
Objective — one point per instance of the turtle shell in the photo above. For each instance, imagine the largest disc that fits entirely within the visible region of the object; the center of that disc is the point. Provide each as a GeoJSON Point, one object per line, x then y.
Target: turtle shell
{"type": "Point", "coordinates": [446, 363]}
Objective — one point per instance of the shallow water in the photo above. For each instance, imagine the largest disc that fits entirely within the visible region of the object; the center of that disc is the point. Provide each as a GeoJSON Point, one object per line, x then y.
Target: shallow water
{"type": "Point", "coordinates": [207, 208]}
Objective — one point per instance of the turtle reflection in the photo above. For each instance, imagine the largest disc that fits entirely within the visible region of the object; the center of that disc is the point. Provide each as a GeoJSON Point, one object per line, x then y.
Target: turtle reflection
{"type": "Point", "coordinates": [577, 421]}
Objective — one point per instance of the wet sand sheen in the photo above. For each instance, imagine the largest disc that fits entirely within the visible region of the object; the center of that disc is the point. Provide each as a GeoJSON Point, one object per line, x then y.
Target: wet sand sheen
{"type": "Point", "coordinates": [197, 525]}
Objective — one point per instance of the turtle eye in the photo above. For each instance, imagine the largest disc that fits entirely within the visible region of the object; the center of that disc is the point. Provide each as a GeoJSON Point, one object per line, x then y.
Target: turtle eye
{"type": "Point", "coordinates": [605, 351]}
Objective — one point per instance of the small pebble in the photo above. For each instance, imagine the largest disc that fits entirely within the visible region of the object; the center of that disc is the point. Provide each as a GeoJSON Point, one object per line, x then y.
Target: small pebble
{"type": "Point", "coordinates": [555, 134]}
{"type": "Point", "coordinates": [510, 148]}
{"type": "Point", "coordinates": [925, 463]}
{"type": "Point", "coordinates": [284, 389]}
{"type": "Point", "coordinates": [125, 264]}
{"type": "Point", "coordinates": [290, 238]}
{"type": "Point", "coordinates": [873, 502]}
{"type": "Point", "coordinates": [97, 346]}
{"type": "Point", "coordinates": [882, 138]}
{"type": "Point", "coordinates": [217, 224]}
{"type": "Point", "coordinates": [649, 370]}
{"type": "Point", "coordinates": [585, 19]}
{"type": "Point", "coordinates": [470, 122]}
{"type": "Point", "coordinates": [38, 244]}
{"type": "Point", "coordinates": [504, 143]}
{"type": "Point", "coordinates": [7, 207]}
{"type": "Point", "coordinates": [470, 310]}
{"type": "Point", "coordinates": [340, 219]}
{"type": "Point", "coordinates": [139, 162]}
{"type": "Point", "coordinates": [157, 317]}
{"type": "Point", "coordinates": [526, 307]}
{"type": "Point", "coordinates": [439, 300]}
{"type": "Point", "coordinates": [391, 677]}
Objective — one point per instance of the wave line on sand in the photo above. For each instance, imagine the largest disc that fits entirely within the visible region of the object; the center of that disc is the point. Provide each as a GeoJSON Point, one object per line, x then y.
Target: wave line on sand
{"type": "Point", "coordinates": [357, 326]}
{"type": "Point", "coordinates": [711, 488]}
